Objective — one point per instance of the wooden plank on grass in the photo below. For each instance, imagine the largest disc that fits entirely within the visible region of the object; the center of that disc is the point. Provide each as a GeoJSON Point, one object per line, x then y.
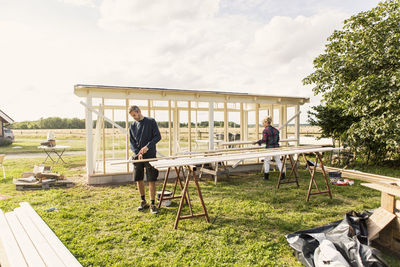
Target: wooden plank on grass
{"type": "Point", "coordinates": [14, 256]}
{"type": "Point", "coordinates": [386, 188]}
{"type": "Point", "coordinates": [28, 249]}
{"type": "Point", "coordinates": [378, 220]}
{"type": "Point", "coordinates": [61, 250]}
{"type": "Point", "coordinates": [42, 246]}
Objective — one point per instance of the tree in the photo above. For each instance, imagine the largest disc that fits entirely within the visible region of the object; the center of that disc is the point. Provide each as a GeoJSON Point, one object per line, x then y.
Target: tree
{"type": "Point", "coordinates": [359, 72]}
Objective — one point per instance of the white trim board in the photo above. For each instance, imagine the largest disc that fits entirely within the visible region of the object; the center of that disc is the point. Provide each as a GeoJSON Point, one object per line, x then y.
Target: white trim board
{"type": "Point", "coordinates": [228, 157]}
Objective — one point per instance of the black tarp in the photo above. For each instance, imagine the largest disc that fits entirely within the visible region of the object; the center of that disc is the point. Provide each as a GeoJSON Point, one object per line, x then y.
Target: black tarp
{"type": "Point", "coordinates": [349, 237]}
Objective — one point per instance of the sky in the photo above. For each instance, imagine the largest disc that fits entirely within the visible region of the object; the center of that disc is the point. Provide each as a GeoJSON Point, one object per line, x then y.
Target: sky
{"type": "Point", "coordinates": [255, 46]}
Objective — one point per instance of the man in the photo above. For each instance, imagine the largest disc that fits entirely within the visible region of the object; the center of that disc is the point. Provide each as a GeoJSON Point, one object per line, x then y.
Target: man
{"type": "Point", "coordinates": [270, 137]}
{"type": "Point", "coordinates": [144, 135]}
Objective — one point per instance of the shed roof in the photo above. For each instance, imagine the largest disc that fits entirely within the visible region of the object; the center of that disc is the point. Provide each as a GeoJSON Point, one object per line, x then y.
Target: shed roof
{"type": "Point", "coordinates": [5, 118]}
{"type": "Point", "coordinates": [144, 93]}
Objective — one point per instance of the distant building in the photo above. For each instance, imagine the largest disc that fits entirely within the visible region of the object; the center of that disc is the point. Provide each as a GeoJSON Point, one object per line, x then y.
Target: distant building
{"type": "Point", "coordinates": [4, 119]}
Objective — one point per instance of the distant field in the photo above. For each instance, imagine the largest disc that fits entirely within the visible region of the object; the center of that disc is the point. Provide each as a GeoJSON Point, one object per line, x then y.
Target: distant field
{"type": "Point", "coordinates": [201, 133]}
{"type": "Point", "coordinates": [27, 141]}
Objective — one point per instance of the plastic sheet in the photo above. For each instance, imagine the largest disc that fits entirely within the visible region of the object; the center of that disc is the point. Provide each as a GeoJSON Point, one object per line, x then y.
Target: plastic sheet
{"type": "Point", "coordinates": [349, 237]}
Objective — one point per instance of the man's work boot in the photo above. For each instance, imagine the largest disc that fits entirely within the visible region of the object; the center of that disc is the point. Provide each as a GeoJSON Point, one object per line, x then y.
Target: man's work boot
{"type": "Point", "coordinates": [283, 176]}
{"type": "Point", "coordinates": [153, 209]}
{"type": "Point", "coordinates": [143, 205]}
{"type": "Point", "coordinates": [266, 176]}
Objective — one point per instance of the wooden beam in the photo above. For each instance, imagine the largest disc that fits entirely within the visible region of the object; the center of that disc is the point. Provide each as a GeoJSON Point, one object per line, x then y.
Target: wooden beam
{"type": "Point", "coordinates": [60, 249]}
{"type": "Point", "coordinates": [104, 137]}
{"type": "Point", "coordinates": [385, 188]}
{"type": "Point", "coordinates": [89, 136]}
{"type": "Point", "coordinates": [241, 122]}
{"type": "Point", "coordinates": [190, 125]}
{"type": "Point", "coordinates": [166, 108]}
{"type": "Point", "coordinates": [127, 140]}
{"type": "Point", "coordinates": [9, 244]}
{"type": "Point", "coordinates": [235, 157]}
{"type": "Point", "coordinates": [257, 121]}
{"type": "Point", "coordinates": [211, 125]}
{"type": "Point", "coordinates": [46, 252]}
{"type": "Point", "coordinates": [169, 128]}
{"type": "Point", "coordinates": [226, 122]}
{"type": "Point", "coordinates": [297, 124]}
{"type": "Point", "coordinates": [25, 244]}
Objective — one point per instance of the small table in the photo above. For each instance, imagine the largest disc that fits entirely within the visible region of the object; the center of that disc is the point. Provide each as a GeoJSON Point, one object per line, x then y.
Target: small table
{"type": "Point", "coordinates": [48, 150]}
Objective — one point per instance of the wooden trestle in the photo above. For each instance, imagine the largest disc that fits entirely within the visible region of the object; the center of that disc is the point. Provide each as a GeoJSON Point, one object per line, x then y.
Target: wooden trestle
{"type": "Point", "coordinates": [184, 196]}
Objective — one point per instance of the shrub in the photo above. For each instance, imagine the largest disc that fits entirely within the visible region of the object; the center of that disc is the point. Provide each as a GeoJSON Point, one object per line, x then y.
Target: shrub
{"type": "Point", "coordinates": [5, 142]}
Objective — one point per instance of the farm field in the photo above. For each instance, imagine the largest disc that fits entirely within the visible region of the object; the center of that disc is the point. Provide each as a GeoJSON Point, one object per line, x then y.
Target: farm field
{"type": "Point", "coordinates": [27, 141]}
{"type": "Point", "coordinates": [249, 219]}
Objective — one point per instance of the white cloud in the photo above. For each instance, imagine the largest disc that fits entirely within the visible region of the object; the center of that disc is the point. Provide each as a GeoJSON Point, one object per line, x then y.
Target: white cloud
{"type": "Point", "coordinates": [126, 14]}
{"type": "Point", "coordinates": [88, 3]}
{"type": "Point", "coordinates": [171, 44]}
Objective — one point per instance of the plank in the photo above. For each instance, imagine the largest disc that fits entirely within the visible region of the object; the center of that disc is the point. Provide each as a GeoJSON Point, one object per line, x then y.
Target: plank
{"type": "Point", "coordinates": [232, 157]}
{"type": "Point", "coordinates": [378, 220]}
{"type": "Point", "coordinates": [27, 248]}
{"type": "Point", "coordinates": [61, 250]}
{"type": "Point", "coordinates": [386, 188]}
{"type": "Point", "coordinates": [42, 246]}
{"type": "Point", "coordinates": [10, 245]}
{"type": "Point", "coordinates": [364, 176]}
{"type": "Point", "coordinates": [213, 152]}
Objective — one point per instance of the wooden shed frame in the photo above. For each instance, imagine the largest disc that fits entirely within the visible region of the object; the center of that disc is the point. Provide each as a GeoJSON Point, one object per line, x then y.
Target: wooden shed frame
{"type": "Point", "coordinates": [217, 101]}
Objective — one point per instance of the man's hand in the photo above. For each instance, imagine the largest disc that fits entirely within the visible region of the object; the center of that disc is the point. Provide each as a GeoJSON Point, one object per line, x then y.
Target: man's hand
{"type": "Point", "coordinates": [143, 150]}
{"type": "Point", "coordinates": [140, 156]}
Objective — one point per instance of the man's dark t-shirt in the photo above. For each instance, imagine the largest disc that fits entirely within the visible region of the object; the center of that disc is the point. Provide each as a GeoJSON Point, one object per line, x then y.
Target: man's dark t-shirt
{"type": "Point", "coordinates": [144, 133]}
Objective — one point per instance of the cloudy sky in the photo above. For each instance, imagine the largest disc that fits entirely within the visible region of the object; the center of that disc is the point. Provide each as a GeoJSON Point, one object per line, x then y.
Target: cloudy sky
{"type": "Point", "coordinates": [258, 46]}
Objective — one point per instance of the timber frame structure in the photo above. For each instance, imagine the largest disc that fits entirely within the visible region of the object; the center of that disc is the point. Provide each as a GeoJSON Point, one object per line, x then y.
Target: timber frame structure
{"type": "Point", "coordinates": [176, 101]}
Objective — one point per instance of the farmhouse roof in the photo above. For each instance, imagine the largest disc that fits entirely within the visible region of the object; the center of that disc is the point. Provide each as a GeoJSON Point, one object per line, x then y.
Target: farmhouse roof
{"type": "Point", "coordinates": [121, 92]}
{"type": "Point", "coordinates": [5, 118]}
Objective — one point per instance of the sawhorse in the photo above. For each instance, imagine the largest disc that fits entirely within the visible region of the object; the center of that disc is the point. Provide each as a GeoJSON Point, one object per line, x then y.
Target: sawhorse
{"type": "Point", "coordinates": [184, 196]}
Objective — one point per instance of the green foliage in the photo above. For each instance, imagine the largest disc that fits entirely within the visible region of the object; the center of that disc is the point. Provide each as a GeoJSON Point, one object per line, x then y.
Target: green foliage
{"type": "Point", "coordinates": [5, 142]}
{"type": "Point", "coordinates": [332, 120]}
{"type": "Point", "coordinates": [359, 74]}
{"type": "Point", "coordinates": [50, 123]}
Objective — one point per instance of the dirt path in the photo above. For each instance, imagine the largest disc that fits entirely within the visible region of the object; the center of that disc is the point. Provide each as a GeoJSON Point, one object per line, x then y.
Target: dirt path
{"type": "Point", "coordinates": [41, 155]}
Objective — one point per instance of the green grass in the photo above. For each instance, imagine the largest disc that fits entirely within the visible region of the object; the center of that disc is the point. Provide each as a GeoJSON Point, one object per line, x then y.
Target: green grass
{"type": "Point", "coordinates": [249, 219]}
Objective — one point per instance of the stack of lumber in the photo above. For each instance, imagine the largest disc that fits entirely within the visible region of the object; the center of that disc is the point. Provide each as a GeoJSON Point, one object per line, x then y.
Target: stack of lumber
{"type": "Point", "coordinates": [41, 178]}
{"type": "Point", "coordinates": [384, 224]}
{"type": "Point", "coordinates": [26, 240]}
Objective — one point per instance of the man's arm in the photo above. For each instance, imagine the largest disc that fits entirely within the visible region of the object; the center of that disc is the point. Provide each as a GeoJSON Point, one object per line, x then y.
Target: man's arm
{"type": "Point", "coordinates": [156, 134]}
{"type": "Point", "coordinates": [264, 138]}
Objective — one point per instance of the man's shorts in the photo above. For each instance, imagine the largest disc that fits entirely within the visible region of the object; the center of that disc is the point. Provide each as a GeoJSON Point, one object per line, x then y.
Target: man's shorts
{"type": "Point", "coordinates": [151, 172]}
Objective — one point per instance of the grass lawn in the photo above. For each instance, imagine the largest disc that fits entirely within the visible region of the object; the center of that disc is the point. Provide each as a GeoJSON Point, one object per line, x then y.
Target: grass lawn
{"type": "Point", "coordinates": [249, 219]}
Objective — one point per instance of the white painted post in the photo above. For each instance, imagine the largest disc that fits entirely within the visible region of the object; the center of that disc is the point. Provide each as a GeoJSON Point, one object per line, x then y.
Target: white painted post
{"type": "Point", "coordinates": [211, 125]}
{"type": "Point", "coordinates": [297, 124]}
{"type": "Point", "coordinates": [89, 136]}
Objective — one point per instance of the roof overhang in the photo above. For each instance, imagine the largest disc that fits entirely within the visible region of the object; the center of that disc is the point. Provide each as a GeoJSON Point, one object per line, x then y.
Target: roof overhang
{"type": "Point", "coordinates": [5, 118]}
{"type": "Point", "coordinates": [142, 93]}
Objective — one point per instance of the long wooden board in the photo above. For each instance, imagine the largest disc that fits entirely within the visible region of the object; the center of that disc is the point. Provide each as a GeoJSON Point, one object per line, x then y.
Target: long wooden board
{"type": "Point", "coordinates": [236, 156]}
{"type": "Point", "coordinates": [207, 153]}
{"type": "Point", "coordinates": [363, 176]}
{"type": "Point", "coordinates": [386, 188]}
{"type": "Point", "coordinates": [62, 252]}
{"type": "Point", "coordinates": [26, 246]}
{"type": "Point", "coordinates": [14, 256]}
{"type": "Point", "coordinates": [46, 252]}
